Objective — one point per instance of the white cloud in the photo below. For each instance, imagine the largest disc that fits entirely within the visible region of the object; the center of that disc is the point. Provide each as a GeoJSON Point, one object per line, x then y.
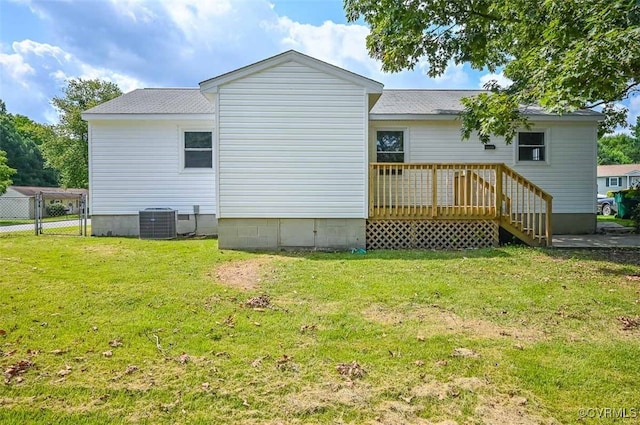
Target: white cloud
{"type": "Point", "coordinates": [454, 74]}
{"type": "Point", "coordinates": [16, 68]}
{"type": "Point", "coordinates": [198, 20]}
{"type": "Point", "coordinates": [42, 68]}
{"type": "Point", "coordinates": [338, 44]}
{"type": "Point", "coordinates": [502, 81]}
{"type": "Point", "coordinates": [28, 47]}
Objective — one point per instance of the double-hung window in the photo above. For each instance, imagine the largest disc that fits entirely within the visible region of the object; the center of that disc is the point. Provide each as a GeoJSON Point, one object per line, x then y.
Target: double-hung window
{"type": "Point", "coordinates": [198, 149]}
{"type": "Point", "coordinates": [390, 146]}
{"type": "Point", "coordinates": [532, 146]}
{"type": "Point", "coordinates": [614, 181]}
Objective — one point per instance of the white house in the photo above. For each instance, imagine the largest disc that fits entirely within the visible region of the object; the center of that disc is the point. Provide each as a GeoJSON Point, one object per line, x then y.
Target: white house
{"type": "Point", "coordinates": [617, 177]}
{"type": "Point", "coordinates": [294, 152]}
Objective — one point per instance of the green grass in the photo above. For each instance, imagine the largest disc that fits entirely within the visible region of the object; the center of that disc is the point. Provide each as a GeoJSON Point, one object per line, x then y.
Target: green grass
{"type": "Point", "coordinates": [541, 325]}
{"type": "Point", "coordinates": [612, 219]}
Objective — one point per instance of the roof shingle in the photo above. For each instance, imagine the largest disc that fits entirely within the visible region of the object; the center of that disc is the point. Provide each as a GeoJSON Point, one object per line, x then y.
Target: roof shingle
{"type": "Point", "coordinates": [157, 101]}
{"type": "Point", "coordinates": [618, 170]}
{"type": "Point", "coordinates": [440, 102]}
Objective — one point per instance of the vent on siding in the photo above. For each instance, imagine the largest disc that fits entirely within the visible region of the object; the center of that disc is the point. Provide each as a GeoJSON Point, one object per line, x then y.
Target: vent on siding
{"type": "Point", "coordinates": [157, 223]}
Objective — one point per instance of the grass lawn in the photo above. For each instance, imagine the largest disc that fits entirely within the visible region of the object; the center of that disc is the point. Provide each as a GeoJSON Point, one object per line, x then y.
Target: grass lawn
{"type": "Point", "coordinates": [115, 330]}
{"type": "Point", "coordinates": [612, 219]}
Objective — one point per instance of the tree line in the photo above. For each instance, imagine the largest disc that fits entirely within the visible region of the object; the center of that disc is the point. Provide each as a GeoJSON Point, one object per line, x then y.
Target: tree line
{"type": "Point", "coordinates": [51, 155]}
{"type": "Point", "coordinates": [620, 148]}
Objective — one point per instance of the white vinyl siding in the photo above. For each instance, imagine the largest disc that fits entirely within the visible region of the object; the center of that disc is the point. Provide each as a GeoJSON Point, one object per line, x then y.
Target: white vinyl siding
{"type": "Point", "coordinates": [292, 144]}
{"type": "Point", "coordinates": [569, 176]}
{"type": "Point", "coordinates": [138, 164]}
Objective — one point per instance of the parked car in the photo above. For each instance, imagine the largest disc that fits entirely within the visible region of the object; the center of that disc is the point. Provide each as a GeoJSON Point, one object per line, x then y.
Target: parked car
{"type": "Point", "coordinates": [606, 205]}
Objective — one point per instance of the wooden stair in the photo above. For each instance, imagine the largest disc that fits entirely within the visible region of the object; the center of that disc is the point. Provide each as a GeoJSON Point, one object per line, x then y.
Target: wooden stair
{"type": "Point", "coordinates": [526, 208]}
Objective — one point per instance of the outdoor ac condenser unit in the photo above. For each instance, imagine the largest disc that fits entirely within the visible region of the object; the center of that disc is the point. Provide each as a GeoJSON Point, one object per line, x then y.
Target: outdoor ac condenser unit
{"type": "Point", "coordinates": [157, 223]}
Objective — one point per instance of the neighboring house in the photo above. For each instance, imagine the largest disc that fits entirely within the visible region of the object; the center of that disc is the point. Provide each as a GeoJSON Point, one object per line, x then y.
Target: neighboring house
{"type": "Point", "coordinates": [612, 178]}
{"type": "Point", "coordinates": [19, 201]}
{"type": "Point", "coordinates": [294, 152]}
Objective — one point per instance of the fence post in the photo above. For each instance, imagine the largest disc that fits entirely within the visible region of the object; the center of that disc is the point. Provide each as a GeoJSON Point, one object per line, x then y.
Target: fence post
{"type": "Point", "coordinates": [36, 212]}
{"type": "Point", "coordinates": [84, 213]}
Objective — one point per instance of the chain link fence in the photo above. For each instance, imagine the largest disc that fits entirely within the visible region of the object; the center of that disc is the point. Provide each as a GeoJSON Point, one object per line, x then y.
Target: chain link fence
{"type": "Point", "coordinates": [44, 214]}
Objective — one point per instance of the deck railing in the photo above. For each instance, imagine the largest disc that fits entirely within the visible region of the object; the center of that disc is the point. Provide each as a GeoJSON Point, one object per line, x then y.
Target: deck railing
{"type": "Point", "coordinates": [460, 191]}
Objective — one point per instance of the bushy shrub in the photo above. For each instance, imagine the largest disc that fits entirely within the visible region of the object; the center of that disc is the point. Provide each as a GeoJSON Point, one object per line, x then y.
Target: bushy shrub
{"type": "Point", "coordinates": [634, 193]}
{"type": "Point", "coordinates": [55, 210]}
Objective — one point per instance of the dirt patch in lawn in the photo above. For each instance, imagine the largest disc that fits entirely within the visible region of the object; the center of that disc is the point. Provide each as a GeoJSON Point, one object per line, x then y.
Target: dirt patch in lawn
{"type": "Point", "coordinates": [244, 274]}
{"type": "Point", "coordinates": [439, 320]}
{"type": "Point", "coordinates": [314, 400]}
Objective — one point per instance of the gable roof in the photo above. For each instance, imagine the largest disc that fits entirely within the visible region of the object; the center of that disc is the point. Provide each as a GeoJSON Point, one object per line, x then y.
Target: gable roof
{"type": "Point", "coordinates": [211, 85]}
{"type": "Point", "coordinates": [618, 170]}
{"type": "Point", "coordinates": [34, 190]}
{"type": "Point", "coordinates": [155, 101]}
{"type": "Point", "coordinates": [423, 103]}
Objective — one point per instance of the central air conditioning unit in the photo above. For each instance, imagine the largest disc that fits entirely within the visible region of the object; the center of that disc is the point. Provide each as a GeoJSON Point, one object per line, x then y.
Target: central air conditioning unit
{"type": "Point", "coordinates": [157, 223]}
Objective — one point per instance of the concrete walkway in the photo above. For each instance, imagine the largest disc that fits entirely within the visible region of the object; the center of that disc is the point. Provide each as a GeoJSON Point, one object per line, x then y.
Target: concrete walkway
{"type": "Point", "coordinates": [610, 235]}
{"type": "Point", "coordinates": [597, 241]}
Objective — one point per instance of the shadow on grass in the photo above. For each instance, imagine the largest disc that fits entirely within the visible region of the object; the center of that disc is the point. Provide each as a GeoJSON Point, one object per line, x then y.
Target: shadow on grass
{"type": "Point", "coordinates": [421, 255]}
{"type": "Point", "coordinates": [624, 256]}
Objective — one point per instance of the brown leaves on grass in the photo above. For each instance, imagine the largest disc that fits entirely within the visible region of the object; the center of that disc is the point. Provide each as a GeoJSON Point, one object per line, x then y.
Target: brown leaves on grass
{"type": "Point", "coordinates": [184, 358]}
{"type": "Point", "coordinates": [308, 328]}
{"type": "Point", "coordinates": [351, 370]}
{"type": "Point", "coordinates": [285, 363]}
{"type": "Point", "coordinates": [464, 352]}
{"type": "Point", "coordinates": [64, 372]}
{"type": "Point", "coordinates": [131, 369]}
{"type": "Point", "coordinates": [16, 369]}
{"type": "Point", "coordinates": [261, 301]}
{"type": "Point", "coordinates": [229, 321]}
{"type": "Point", "coordinates": [629, 323]}
{"type": "Point", "coordinates": [115, 342]}
{"type": "Point", "coordinates": [634, 277]}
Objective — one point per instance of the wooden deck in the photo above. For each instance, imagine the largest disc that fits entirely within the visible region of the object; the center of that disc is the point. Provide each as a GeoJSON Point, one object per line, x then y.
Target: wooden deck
{"type": "Point", "coordinates": [464, 191]}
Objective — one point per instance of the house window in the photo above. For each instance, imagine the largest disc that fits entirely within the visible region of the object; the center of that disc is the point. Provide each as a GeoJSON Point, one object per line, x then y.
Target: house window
{"type": "Point", "coordinates": [614, 181]}
{"type": "Point", "coordinates": [390, 146]}
{"type": "Point", "coordinates": [531, 146]}
{"type": "Point", "coordinates": [198, 149]}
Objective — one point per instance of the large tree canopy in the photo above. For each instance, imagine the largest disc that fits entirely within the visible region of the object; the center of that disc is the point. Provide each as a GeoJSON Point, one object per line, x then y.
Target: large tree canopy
{"type": "Point", "coordinates": [68, 152]}
{"type": "Point", "coordinates": [620, 148]}
{"type": "Point", "coordinates": [22, 151]}
{"type": "Point", "coordinates": [5, 173]}
{"type": "Point", "coordinates": [562, 55]}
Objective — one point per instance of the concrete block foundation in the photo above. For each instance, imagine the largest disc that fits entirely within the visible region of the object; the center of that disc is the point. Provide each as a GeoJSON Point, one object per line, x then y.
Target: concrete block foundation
{"type": "Point", "coordinates": [291, 233]}
{"type": "Point", "coordinates": [573, 223]}
{"type": "Point", "coordinates": [128, 225]}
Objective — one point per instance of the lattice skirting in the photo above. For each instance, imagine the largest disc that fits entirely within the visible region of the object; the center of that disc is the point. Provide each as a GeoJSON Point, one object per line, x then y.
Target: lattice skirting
{"type": "Point", "coordinates": [431, 234]}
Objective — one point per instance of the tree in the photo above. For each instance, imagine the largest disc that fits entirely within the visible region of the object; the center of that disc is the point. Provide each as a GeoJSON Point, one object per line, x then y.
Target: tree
{"type": "Point", "coordinates": [22, 152]}
{"type": "Point", "coordinates": [620, 148]}
{"type": "Point", "coordinates": [561, 55]}
{"type": "Point", "coordinates": [68, 151]}
{"type": "Point", "coordinates": [5, 173]}
{"type": "Point", "coordinates": [35, 172]}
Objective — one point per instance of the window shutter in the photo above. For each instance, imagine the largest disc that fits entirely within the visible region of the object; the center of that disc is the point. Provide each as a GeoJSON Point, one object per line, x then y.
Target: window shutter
{"type": "Point", "coordinates": [607, 181]}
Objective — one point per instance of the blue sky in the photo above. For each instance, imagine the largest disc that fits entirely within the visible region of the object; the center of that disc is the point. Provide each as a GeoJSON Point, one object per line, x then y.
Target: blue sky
{"type": "Point", "coordinates": [178, 43]}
